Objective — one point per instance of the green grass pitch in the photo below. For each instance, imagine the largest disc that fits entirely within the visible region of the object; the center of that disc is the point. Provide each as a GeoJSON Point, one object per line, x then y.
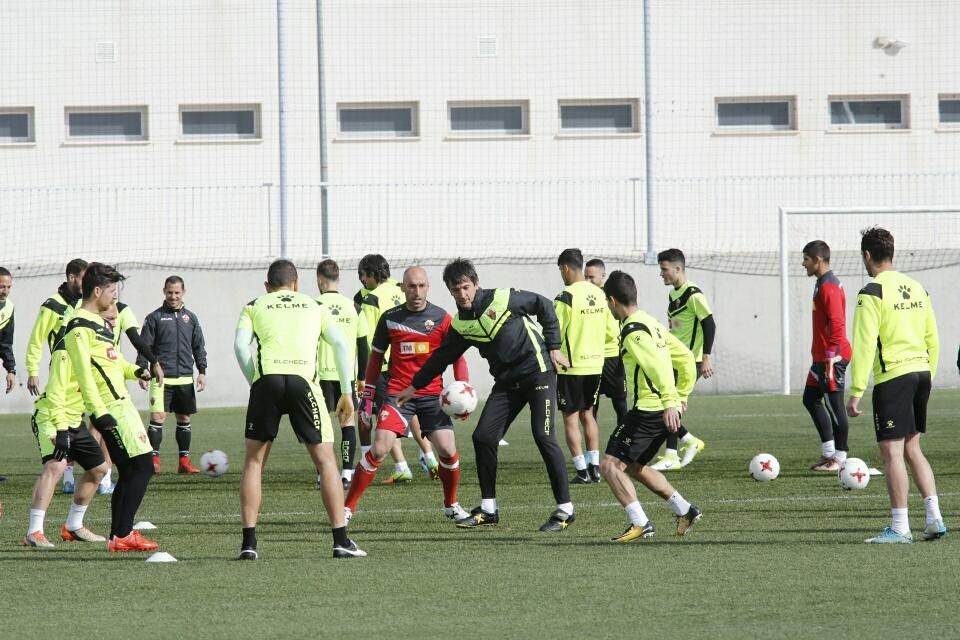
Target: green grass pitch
{"type": "Point", "coordinates": [769, 560]}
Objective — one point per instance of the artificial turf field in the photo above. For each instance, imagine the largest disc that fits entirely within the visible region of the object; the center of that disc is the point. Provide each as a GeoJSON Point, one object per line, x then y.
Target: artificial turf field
{"type": "Point", "coordinates": [769, 560]}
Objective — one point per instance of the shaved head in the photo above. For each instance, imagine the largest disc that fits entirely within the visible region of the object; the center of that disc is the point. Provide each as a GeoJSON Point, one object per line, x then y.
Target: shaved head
{"type": "Point", "coordinates": [415, 287]}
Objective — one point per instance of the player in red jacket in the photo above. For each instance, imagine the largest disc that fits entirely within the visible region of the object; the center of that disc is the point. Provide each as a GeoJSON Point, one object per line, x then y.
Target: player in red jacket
{"type": "Point", "coordinates": [823, 394]}
{"type": "Point", "coordinates": [412, 331]}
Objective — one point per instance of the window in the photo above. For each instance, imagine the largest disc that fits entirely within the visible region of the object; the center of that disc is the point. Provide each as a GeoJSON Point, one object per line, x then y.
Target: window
{"type": "Point", "coordinates": [16, 125]}
{"type": "Point", "coordinates": [385, 120]}
{"type": "Point", "coordinates": [488, 118]}
{"type": "Point", "coordinates": [756, 114]}
{"type": "Point", "coordinates": [950, 111]}
{"type": "Point", "coordinates": [219, 122]}
{"type": "Point", "coordinates": [107, 124]}
{"type": "Point", "coordinates": [578, 116]}
{"type": "Point", "coordinates": [880, 112]}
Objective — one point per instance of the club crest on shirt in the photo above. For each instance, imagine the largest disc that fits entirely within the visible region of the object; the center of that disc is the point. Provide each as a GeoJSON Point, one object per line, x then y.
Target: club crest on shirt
{"type": "Point", "coordinates": [186, 318]}
{"type": "Point", "coordinates": [111, 353]}
{"type": "Point", "coordinates": [492, 314]}
{"type": "Point", "coordinates": [429, 324]}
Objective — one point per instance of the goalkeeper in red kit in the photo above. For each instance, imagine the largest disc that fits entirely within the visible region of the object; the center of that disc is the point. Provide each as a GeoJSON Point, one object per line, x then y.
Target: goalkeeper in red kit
{"type": "Point", "coordinates": [412, 331]}
{"type": "Point", "coordinates": [823, 394]}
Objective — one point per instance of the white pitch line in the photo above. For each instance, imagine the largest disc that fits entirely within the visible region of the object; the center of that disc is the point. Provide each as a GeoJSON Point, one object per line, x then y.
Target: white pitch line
{"type": "Point", "coordinates": [546, 506]}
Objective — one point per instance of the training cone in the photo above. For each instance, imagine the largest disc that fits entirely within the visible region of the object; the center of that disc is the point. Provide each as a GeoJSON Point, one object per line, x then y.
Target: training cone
{"type": "Point", "coordinates": [161, 556]}
{"type": "Point", "coordinates": [143, 525]}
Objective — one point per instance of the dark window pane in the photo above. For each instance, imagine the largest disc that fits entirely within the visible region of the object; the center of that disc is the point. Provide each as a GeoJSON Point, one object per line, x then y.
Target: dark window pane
{"type": "Point", "coordinates": [219, 123]}
{"type": "Point", "coordinates": [392, 120]}
{"type": "Point", "coordinates": [866, 112]}
{"type": "Point", "coordinates": [119, 123]}
{"type": "Point", "coordinates": [753, 114]}
{"type": "Point", "coordinates": [950, 111]}
{"type": "Point", "coordinates": [596, 116]}
{"type": "Point", "coordinates": [14, 125]}
{"type": "Point", "coordinates": [507, 118]}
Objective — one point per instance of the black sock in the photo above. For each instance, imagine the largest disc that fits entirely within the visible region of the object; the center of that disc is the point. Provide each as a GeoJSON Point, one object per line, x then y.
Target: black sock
{"type": "Point", "coordinates": [348, 447]}
{"type": "Point", "coordinates": [249, 538]}
{"type": "Point", "coordinates": [135, 487]}
{"type": "Point", "coordinates": [183, 438]}
{"type": "Point", "coordinates": [340, 538]}
{"type": "Point", "coordinates": [155, 433]}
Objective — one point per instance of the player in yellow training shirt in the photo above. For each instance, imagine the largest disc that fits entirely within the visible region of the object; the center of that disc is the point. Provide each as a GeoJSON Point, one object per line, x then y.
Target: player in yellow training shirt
{"type": "Point", "coordinates": [353, 325]}
{"type": "Point", "coordinates": [583, 317]}
{"type": "Point", "coordinates": [895, 334]}
{"type": "Point", "coordinates": [655, 405]}
{"type": "Point", "coordinates": [283, 375]}
{"type": "Point", "coordinates": [102, 372]}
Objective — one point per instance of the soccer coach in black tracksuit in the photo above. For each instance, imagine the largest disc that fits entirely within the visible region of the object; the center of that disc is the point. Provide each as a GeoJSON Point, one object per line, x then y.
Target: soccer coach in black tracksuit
{"type": "Point", "coordinates": [523, 362]}
{"type": "Point", "coordinates": [174, 334]}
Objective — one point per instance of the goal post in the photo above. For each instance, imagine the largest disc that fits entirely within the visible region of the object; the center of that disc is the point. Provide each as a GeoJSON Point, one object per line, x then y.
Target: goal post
{"type": "Point", "coordinates": [940, 244]}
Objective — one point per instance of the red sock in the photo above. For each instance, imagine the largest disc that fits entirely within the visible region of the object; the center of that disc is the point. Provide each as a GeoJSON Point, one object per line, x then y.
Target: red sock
{"type": "Point", "coordinates": [362, 478]}
{"type": "Point", "coordinates": [450, 477]}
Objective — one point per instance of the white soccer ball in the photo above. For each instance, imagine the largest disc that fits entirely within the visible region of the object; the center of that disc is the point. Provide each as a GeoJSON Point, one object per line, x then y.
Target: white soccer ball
{"type": "Point", "coordinates": [214, 463]}
{"type": "Point", "coordinates": [854, 474]}
{"type": "Point", "coordinates": [764, 467]}
{"type": "Point", "coordinates": [458, 399]}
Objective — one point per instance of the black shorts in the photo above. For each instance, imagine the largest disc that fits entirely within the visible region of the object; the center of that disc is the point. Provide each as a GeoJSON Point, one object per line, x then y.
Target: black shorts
{"type": "Point", "coordinates": [84, 449]}
{"type": "Point", "coordinates": [179, 398]}
{"type": "Point", "coordinates": [900, 406]}
{"type": "Point", "coordinates": [576, 393]}
{"type": "Point", "coordinates": [396, 419]}
{"type": "Point", "coordinates": [331, 394]}
{"type": "Point", "coordinates": [817, 376]}
{"type": "Point", "coordinates": [274, 395]}
{"type": "Point", "coordinates": [639, 438]}
{"type": "Point", "coordinates": [613, 380]}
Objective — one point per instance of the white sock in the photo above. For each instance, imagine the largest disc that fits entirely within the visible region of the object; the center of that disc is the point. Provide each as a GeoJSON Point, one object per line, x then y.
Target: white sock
{"type": "Point", "coordinates": [36, 520]}
{"type": "Point", "coordinates": [828, 449]}
{"type": "Point", "coordinates": [489, 505]}
{"type": "Point", "coordinates": [105, 481]}
{"type": "Point", "coordinates": [689, 437]}
{"type": "Point", "coordinates": [400, 467]}
{"type": "Point", "coordinates": [840, 456]}
{"type": "Point", "coordinates": [364, 449]}
{"type": "Point", "coordinates": [430, 459]}
{"type": "Point", "coordinates": [670, 453]}
{"type": "Point", "coordinates": [932, 503]}
{"type": "Point", "coordinates": [594, 457]}
{"type": "Point", "coordinates": [68, 474]}
{"type": "Point", "coordinates": [566, 507]}
{"type": "Point", "coordinates": [635, 514]}
{"type": "Point", "coordinates": [579, 463]}
{"type": "Point", "coordinates": [678, 504]}
{"type": "Point", "coordinates": [901, 524]}
{"type": "Point", "coordinates": [347, 474]}
{"type": "Point", "coordinates": [75, 517]}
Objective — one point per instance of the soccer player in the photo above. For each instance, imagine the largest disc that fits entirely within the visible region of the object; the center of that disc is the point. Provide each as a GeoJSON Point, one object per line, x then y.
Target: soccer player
{"type": "Point", "coordinates": [692, 322]}
{"type": "Point", "coordinates": [288, 327]}
{"type": "Point", "coordinates": [101, 372]}
{"type": "Point", "coordinates": [523, 362]}
{"type": "Point", "coordinates": [384, 293]}
{"type": "Point", "coordinates": [583, 321]}
{"type": "Point", "coordinates": [6, 334]}
{"type": "Point", "coordinates": [650, 362]}
{"type": "Point", "coordinates": [353, 326]}
{"type": "Point", "coordinates": [6, 329]}
{"type": "Point", "coordinates": [613, 381]}
{"type": "Point", "coordinates": [895, 331]}
{"type": "Point", "coordinates": [823, 393]}
{"type": "Point", "coordinates": [174, 334]}
{"type": "Point", "coordinates": [60, 431]}
{"type": "Point", "coordinates": [412, 332]}
{"type": "Point", "coordinates": [53, 314]}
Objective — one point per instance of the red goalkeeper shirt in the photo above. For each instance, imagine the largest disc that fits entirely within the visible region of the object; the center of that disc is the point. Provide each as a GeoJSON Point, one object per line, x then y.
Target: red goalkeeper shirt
{"type": "Point", "coordinates": [829, 319]}
{"type": "Point", "coordinates": [412, 337]}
